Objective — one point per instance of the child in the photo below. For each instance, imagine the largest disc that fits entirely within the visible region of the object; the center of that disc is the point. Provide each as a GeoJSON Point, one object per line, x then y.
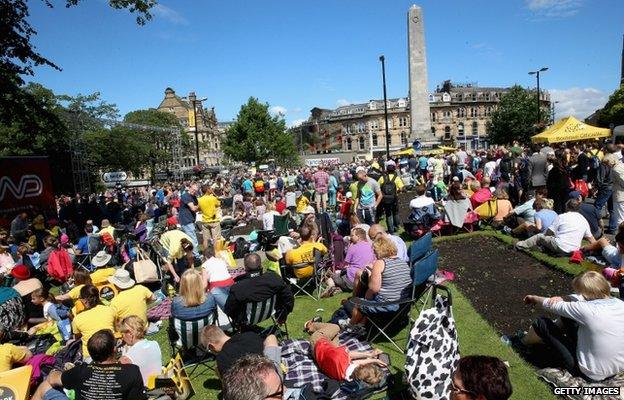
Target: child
{"type": "Point", "coordinates": [302, 202]}
{"type": "Point", "coordinates": [337, 362]}
{"type": "Point", "coordinates": [51, 312]}
{"type": "Point", "coordinates": [80, 278]}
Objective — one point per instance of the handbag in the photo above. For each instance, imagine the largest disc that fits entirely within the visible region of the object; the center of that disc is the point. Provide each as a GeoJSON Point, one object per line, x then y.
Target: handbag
{"type": "Point", "coordinates": [432, 351]}
{"type": "Point", "coordinates": [144, 268]}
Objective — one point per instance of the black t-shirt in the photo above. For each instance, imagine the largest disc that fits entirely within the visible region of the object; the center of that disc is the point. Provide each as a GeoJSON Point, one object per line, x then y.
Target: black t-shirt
{"type": "Point", "coordinates": [105, 381]}
{"type": "Point", "coordinates": [237, 347]}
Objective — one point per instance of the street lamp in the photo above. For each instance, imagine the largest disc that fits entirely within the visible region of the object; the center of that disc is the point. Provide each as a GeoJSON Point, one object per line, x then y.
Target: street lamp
{"type": "Point", "coordinates": [383, 76]}
{"type": "Point", "coordinates": [537, 74]}
{"type": "Point", "coordinates": [552, 105]}
{"type": "Point", "coordinates": [193, 100]}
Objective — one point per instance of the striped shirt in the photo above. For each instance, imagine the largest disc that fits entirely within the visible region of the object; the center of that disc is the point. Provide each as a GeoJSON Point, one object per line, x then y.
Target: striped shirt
{"type": "Point", "coordinates": [395, 280]}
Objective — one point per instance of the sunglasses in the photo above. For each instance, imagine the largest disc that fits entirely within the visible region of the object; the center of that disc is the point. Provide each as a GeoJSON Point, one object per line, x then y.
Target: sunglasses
{"type": "Point", "coordinates": [459, 390]}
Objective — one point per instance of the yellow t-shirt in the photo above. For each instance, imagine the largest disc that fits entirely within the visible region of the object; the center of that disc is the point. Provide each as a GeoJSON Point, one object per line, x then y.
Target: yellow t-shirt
{"type": "Point", "coordinates": [109, 229]}
{"type": "Point", "coordinates": [304, 254]}
{"type": "Point", "coordinates": [10, 354]}
{"type": "Point", "coordinates": [208, 205]}
{"type": "Point", "coordinates": [397, 181]}
{"type": "Point", "coordinates": [74, 294]}
{"type": "Point", "coordinates": [302, 203]}
{"type": "Point", "coordinates": [131, 301]}
{"type": "Point", "coordinates": [90, 321]}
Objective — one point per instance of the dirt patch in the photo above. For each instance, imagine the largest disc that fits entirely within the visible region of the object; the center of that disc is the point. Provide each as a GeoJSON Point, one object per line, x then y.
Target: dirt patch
{"type": "Point", "coordinates": [495, 278]}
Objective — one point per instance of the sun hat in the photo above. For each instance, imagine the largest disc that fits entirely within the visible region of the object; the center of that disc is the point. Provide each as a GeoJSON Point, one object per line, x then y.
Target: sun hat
{"type": "Point", "coordinates": [20, 272]}
{"type": "Point", "coordinates": [101, 259]}
{"type": "Point", "coordinates": [28, 286]}
{"type": "Point", "coordinates": [308, 210]}
{"type": "Point", "coordinates": [575, 194]}
{"type": "Point", "coordinates": [105, 223]}
{"type": "Point", "coordinates": [121, 279]}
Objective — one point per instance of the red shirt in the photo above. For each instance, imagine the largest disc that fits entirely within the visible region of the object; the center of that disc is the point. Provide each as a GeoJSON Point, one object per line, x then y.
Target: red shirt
{"type": "Point", "coordinates": [332, 361]}
{"type": "Point", "coordinates": [280, 206]}
{"type": "Point", "coordinates": [480, 196]}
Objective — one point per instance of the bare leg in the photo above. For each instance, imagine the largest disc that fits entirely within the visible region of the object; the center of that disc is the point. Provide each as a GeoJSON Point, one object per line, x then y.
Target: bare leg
{"type": "Point", "coordinates": [598, 245]}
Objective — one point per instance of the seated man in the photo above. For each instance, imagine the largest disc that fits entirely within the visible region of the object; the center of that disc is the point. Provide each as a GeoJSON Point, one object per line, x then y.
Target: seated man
{"type": "Point", "coordinates": [542, 219]}
{"type": "Point", "coordinates": [376, 231]}
{"type": "Point", "coordinates": [590, 213]}
{"type": "Point", "coordinates": [423, 208]}
{"type": "Point", "coordinates": [359, 255]}
{"type": "Point", "coordinates": [304, 254]}
{"type": "Point", "coordinates": [253, 377]}
{"type": "Point", "coordinates": [229, 349]}
{"type": "Point", "coordinates": [105, 378]}
{"type": "Point", "coordinates": [564, 235]}
{"type": "Point", "coordinates": [337, 362]}
{"type": "Point", "coordinates": [255, 286]}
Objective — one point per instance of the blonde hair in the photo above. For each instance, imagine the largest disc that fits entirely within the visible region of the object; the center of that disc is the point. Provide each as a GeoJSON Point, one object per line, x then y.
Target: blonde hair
{"type": "Point", "coordinates": [192, 288]}
{"type": "Point", "coordinates": [384, 248]}
{"type": "Point", "coordinates": [591, 285]}
{"type": "Point", "coordinates": [135, 325]}
{"type": "Point", "coordinates": [270, 206]}
{"type": "Point", "coordinates": [501, 194]}
{"type": "Point", "coordinates": [369, 373]}
{"type": "Point", "coordinates": [475, 186]}
{"type": "Point", "coordinates": [211, 335]}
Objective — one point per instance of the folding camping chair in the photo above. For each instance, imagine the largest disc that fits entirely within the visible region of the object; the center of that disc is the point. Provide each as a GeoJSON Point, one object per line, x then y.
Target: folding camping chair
{"type": "Point", "coordinates": [390, 323]}
{"type": "Point", "coordinates": [260, 311]}
{"type": "Point", "coordinates": [420, 247]}
{"type": "Point", "coordinates": [83, 261]}
{"type": "Point", "coordinates": [184, 338]}
{"type": "Point", "coordinates": [313, 283]}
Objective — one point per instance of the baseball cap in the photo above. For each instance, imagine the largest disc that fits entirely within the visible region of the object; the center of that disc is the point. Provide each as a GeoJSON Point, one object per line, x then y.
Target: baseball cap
{"type": "Point", "coordinates": [349, 195]}
{"type": "Point", "coordinates": [390, 163]}
{"type": "Point", "coordinates": [360, 169]}
{"type": "Point", "coordinates": [575, 194]}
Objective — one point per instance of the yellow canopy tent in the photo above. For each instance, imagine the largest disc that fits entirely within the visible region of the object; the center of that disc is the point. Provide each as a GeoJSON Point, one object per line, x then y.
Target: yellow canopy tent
{"type": "Point", "coordinates": [447, 149]}
{"type": "Point", "coordinates": [570, 129]}
{"type": "Point", "coordinates": [405, 152]}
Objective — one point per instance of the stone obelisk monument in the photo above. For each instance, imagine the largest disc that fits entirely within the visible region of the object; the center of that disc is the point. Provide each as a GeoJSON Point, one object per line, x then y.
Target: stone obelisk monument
{"type": "Point", "coordinates": [418, 88]}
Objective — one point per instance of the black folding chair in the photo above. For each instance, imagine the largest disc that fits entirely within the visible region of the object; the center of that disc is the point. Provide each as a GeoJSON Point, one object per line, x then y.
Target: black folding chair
{"type": "Point", "coordinates": [260, 311]}
{"type": "Point", "coordinates": [311, 286]}
{"type": "Point", "coordinates": [390, 323]}
{"type": "Point", "coordinates": [184, 338]}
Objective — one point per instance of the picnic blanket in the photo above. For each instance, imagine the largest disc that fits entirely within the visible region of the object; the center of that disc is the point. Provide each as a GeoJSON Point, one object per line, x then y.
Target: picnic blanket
{"type": "Point", "coordinates": [301, 368]}
{"type": "Point", "coordinates": [586, 390]}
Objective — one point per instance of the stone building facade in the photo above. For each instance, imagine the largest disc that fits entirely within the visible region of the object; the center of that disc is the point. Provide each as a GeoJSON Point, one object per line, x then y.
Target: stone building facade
{"type": "Point", "coordinates": [459, 115]}
{"type": "Point", "coordinates": [209, 135]}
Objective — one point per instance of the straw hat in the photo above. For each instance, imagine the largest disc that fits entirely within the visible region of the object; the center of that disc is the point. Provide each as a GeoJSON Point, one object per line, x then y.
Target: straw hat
{"type": "Point", "coordinates": [121, 279]}
{"type": "Point", "coordinates": [101, 259]}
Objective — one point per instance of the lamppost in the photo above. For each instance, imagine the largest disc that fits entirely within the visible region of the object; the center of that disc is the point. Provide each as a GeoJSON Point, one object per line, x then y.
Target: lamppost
{"type": "Point", "coordinates": [383, 76]}
{"type": "Point", "coordinates": [552, 106]}
{"type": "Point", "coordinates": [193, 100]}
{"type": "Point", "coordinates": [537, 74]}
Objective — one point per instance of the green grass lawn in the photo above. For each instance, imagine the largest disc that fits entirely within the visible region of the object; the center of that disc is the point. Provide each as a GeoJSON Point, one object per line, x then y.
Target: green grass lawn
{"type": "Point", "coordinates": [476, 336]}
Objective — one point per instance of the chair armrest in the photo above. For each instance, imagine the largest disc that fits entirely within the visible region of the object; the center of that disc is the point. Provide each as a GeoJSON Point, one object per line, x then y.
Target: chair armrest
{"type": "Point", "coordinates": [356, 301]}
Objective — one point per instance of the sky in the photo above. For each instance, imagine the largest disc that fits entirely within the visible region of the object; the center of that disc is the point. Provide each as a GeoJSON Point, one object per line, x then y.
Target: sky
{"type": "Point", "coordinates": [296, 55]}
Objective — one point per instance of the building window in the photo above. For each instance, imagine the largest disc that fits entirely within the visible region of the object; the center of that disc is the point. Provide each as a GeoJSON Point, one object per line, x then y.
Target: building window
{"type": "Point", "coordinates": [460, 129]}
{"type": "Point", "coordinates": [402, 122]}
{"type": "Point", "coordinates": [375, 140]}
{"type": "Point", "coordinates": [474, 96]}
{"type": "Point", "coordinates": [433, 116]}
{"type": "Point", "coordinates": [404, 138]}
{"type": "Point", "coordinates": [474, 112]}
{"type": "Point", "coordinates": [475, 128]}
{"type": "Point", "coordinates": [349, 144]}
{"type": "Point", "coordinates": [347, 128]}
{"type": "Point", "coordinates": [374, 124]}
{"type": "Point", "coordinates": [361, 142]}
{"type": "Point", "coordinates": [447, 114]}
{"type": "Point", "coordinates": [487, 96]}
{"type": "Point", "coordinates": [461, 112]}
{"type": "Point", "coordinates": [460, 97]}
{"type": "Point", "coordinates": [447, 133]}
{"type": "Point", "coordinates": [433, 130]}
{"type": "Point", "coordinates": [361, 127]}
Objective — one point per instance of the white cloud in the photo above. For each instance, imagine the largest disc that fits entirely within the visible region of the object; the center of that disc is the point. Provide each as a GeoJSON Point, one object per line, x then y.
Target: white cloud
{"type": "Point", "coordinates": [579, 102]}
{"type": "Point", "coordinates": [278, 110]}
{"type": "Point", "coordinates": [554, 8]}
{"type": "Point", "coordinates": [169, 14]}
{"type": "Point", "coordinates": [295, 110]}
{"type": "Point", "coordinates": [295, 123]}
{"type": "Point", "coordinates": [343, 102]}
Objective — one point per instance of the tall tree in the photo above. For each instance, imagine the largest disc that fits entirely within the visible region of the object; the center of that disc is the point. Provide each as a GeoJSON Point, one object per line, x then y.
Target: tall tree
{"type": "Point", "coordinates": [256, 136]}
{"type": "Point", "coordinates": [613, 111]}
{"type": "Point", "coordinates": [515, 117]}
{"type": "Point", "coordinates": [18, 57]}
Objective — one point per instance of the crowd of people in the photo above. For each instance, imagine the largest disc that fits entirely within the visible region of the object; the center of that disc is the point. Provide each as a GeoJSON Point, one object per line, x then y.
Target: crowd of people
{"type": "Point", "coordinates": [217, 241]}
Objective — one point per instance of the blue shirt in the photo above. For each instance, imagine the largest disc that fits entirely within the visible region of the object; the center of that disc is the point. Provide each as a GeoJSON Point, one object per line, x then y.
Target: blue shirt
{"type": "Point", "coordinates": [83, 245]}
{"type": "Point", "coordinates": [422, 162]}
{"type": "Point", "coordinates": [180, 311]}
{"type": "Point", "coordinates": [247, 186]}
{"type": "Point", "coordinates": [186, 215]}
{"type": "Point", "coordinates": [547, 217]}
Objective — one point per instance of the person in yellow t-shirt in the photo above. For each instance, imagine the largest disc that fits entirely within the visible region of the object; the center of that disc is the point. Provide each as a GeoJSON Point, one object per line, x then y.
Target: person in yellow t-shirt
{"type": "Point", "coordinates": [81, 278]}
{"type": "Point", "coordinates": [132, 299]}
{"type": "Point", "coordinates": [95, 317]}
{"type": "Point", "coordinates": [209, 205]}
{"type": "Point", "coordinates": [302, 203]}
{"type": "Point", "coordinates": [11, 354]}
{"type": "Point", "coordinates": [304, 253]}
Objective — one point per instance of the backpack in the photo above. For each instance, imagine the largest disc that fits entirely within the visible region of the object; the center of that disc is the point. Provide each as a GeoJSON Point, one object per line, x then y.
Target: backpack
{"type": "Point", "coordinates": [365, 194]}
{"type": "Point", "coordinates": [505, 168]}
{"type": "Point", "coordinates": [594, 161]}
{"type": "Point", "coordinates": [60, 265]}
{"type": "Point", "coordinates": [259, 186]}
{"type": "Point", "coordinates": [241, 248]}
{"type": "Point", "coordinates": [389, 189]}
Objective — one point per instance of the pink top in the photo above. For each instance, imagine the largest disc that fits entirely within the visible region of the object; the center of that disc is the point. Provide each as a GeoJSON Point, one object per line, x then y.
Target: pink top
{"type": "Point", "coordinates": [321, 181]}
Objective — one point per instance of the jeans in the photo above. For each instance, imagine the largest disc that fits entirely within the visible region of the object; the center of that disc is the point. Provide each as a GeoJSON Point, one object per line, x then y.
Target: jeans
{"type": "Point", "coordinates": [561, 340]}
{"type": "Point", "coordinates": [331, 198]}
{"type": "Point", "coordinates": [602, 198]}
{"type": "Point", "coordinates": [365, 215]}
{"type": "Point", "coordinates": [218, 296]}
{"type": "Point", "coordinates": [392, 217]}
{"type": "Point", "coordinates": [191, 230]}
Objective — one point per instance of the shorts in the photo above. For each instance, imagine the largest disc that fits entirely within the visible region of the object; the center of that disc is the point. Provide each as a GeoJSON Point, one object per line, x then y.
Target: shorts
{"type": "Point", "coordinates": [55, 394]}
{"type": "Point", "coordinates": [211, 230]}
{"type": "Point", "coordinates": [379, 309]}
{"type": "Point", "coordinates": [341, 280]}
{"type": "Point", "coordinates": [612, 255]}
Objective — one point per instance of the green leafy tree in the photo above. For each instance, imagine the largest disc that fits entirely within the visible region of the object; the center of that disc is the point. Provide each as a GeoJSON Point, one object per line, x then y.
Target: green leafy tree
{"type": "Point", "coordinates": [515, 117]}
{"type": "Point", "coordinates": [256, 136]}
{"type": "Point", "coordinates": [18, 57]}
{"type": "Point", "coordinates": [613, 111]}
{"type": "Point", "coordinates": [118, 149]}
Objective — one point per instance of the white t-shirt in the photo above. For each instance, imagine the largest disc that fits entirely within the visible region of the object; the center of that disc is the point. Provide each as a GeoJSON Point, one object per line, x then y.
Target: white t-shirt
{"type": "Point", "coordinates": [216, 269]}
{"type": "Point", "coordinates": [421, 201]}
{"type": "Point", "coordinates": [488, 168]}
{"type": "Point", "coordinates": [46, 310]}
{"type": "Point", "coordinates": [291, 199]}
{"type": "Point", "coordinates": [570, 228]}
{"type": "Point", "coordinates": [267, 220]}
{"type": "Point", "coordinates": [600, 342]}
{"type": "Point", "coordinates": [146, 355]}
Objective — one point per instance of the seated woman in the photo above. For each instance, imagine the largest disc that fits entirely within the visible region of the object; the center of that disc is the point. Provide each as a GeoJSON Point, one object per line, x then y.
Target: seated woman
{"type": "Point", "coordinates": [588, 339]}
{"type": "Point", "coordinates": [457, 205]}
{"type": "Point", "coordinates": [503, 207]}
{"type": "Point", "coordinates": [94, 317]}
{"type": "Point", "coordinates": [80, 278]}
{"type": "Point", "coordinates": [268, 216]}
{"type": "Point", "coordinates": [543, 217]}
{"type": "Point", "coordinates": [481, 377]}
{"type": "Point", "coordinates": [139, 351]}
{"type": "Point", "coordinates": [192, 303]}
{"type": "Point", "coordinates": [389, 279]}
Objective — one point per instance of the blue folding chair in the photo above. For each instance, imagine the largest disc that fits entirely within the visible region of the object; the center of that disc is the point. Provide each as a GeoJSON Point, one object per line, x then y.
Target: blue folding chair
{"type": "Point", "coordinates": [420, 247]}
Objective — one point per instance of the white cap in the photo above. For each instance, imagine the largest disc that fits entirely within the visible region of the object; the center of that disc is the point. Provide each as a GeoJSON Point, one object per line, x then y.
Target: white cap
{"type": "Point", "coordinates": [308, 210]}
{"type": "Point", "coordinates": [360, 169]}
{"type": "Point", "coordinates": [349, 195]}
{"type": "Point", "coordinates": [390, 163]}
